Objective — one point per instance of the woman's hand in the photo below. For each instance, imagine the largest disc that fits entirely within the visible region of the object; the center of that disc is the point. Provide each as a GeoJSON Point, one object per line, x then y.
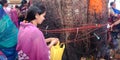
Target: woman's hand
{"type": "Point", "coordinates": [111, 27]}
{"type": "Point", "coordinates": [52, 41]}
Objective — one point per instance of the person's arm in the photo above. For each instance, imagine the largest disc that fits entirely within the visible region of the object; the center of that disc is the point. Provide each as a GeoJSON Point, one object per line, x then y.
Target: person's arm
{"type": "Point", "coordinates": [52, 41]}
{"type": "Point", "coordinates": [115, 23]}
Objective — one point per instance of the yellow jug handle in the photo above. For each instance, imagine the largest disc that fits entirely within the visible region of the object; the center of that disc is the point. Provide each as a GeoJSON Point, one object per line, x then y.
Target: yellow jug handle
{"type": "Point", "coordinates": [62, 45]}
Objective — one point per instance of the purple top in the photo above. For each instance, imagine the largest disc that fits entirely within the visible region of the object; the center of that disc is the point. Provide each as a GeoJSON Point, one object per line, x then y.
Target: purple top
{"type": "Point", "coordinates": [32, 42]}
{"type": "Point", "coordinates": [14, 16]}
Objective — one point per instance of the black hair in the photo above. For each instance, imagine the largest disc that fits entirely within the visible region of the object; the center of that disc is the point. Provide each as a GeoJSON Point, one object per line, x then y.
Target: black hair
{"type": "Point", "coordinates": [40, 6]}
{"type": "Point", "coordinates": [2, 2]}
{"type": "Point", "coordinates": [23, 2]}
{"type": "Point", "coordinates": [16, 6]}
{"type": "Point", "coordinates": [112, 3]}
{"type": "Point", "coordinates": [33, 10]}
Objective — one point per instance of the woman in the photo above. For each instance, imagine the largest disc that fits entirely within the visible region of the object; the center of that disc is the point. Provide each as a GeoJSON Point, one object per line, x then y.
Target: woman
{"type": "Point", "coordinates": [14, 16]}
{"type": "Point", "coordinates": [8, 34]}
{"type": "Point", "coordinates": [31, 42]}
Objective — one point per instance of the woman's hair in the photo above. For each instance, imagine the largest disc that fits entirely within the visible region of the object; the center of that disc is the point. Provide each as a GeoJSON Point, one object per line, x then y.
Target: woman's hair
{"type": "Point", "coordinates": [2, 2]}
{"type": "Point", "coordinates": [23, 2]}
{"type": "Point", "coordinates": [112, 3]}
{"type": "Point", "coordinates": [33, 10]}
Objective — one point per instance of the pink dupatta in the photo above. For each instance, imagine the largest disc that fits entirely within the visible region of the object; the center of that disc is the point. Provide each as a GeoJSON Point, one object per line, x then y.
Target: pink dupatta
{"type": "Point", "coordinates": [32, 42]}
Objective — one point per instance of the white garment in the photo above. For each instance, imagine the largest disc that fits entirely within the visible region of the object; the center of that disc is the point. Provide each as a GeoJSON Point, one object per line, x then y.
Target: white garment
{"type": "Point", "coordinates": [7, 10]}
{"type": "Point", "coordinates": [22, 56]}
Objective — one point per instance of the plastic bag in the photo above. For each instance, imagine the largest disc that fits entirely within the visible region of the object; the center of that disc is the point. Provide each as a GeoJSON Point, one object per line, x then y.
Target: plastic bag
{"type": "Point", "coordinates": [56, 51]}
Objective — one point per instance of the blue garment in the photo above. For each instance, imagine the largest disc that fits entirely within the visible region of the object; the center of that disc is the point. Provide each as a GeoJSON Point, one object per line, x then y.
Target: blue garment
{"type": "Point", "coordinates": [3, 57]}
{"type": "Point", "coordinates": [116, 11]}
{"type": "Point", "coordinates": [8, 35]}
{"type": "Point", "coordinates": [8, 31]}
{"type": "Point", "coordinates": [10, 53]}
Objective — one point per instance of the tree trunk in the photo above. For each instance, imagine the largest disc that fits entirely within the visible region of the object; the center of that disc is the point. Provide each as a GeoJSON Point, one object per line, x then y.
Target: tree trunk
{"type": "Point", "coordinates": [98, 14]}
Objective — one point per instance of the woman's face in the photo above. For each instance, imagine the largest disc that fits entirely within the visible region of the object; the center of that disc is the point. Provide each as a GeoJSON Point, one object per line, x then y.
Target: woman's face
{"type": "Point", "coordinates": [114, 5]}
{"type": "Point", "coordinates": [40, 18]}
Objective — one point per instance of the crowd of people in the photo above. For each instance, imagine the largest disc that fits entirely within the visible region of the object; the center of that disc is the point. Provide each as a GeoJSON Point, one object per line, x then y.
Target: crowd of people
{"type": "Point", "coordinates": [28, 41]}
{"type": "Point", "coordinates": [15, 12]}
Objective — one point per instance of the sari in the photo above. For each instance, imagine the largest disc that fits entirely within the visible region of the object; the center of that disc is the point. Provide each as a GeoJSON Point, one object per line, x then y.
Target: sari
{"type": "Point", "coordinates": [8, 35]}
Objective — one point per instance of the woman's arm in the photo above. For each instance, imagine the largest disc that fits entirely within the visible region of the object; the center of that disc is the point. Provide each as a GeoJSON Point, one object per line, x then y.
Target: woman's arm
{"type": "Point", "coordinates": [52, 41]}
{"type": "Point", "coordinates": [115, 23]}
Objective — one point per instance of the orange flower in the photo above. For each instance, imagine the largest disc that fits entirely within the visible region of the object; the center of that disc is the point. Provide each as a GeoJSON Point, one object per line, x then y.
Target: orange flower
{"type": "Point", "coordinates": [95, 6]}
